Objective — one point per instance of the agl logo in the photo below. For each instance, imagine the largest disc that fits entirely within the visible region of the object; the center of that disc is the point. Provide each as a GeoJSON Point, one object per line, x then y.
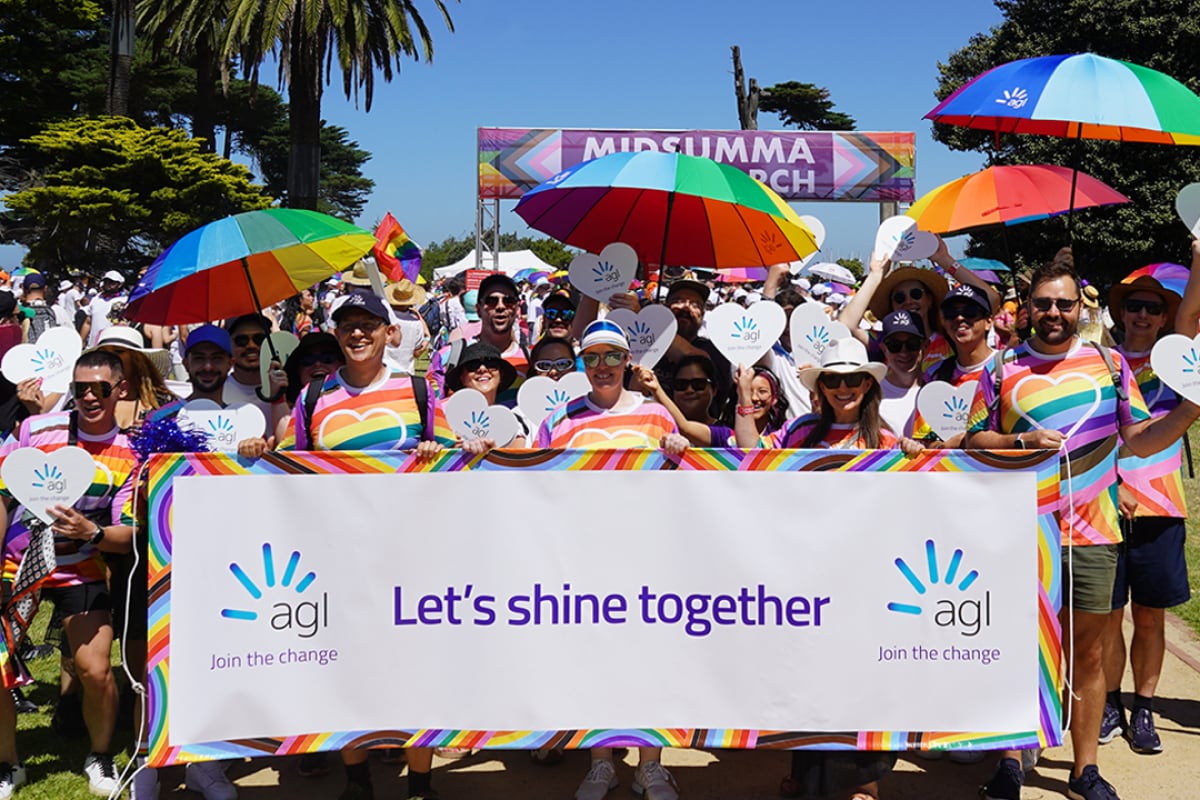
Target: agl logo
{"type": "Point", "coordinates": [50, 479]}
{"type": "Point", "coordinates": [305, 617]}
{"type": "Point", "coordinates": [969, 615]}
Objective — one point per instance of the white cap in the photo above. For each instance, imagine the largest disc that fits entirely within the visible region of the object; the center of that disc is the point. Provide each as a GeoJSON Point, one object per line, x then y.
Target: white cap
{"type": "Point", "coordinates": [113, 275]}
{"type": "Point", "coordinates": [64, 285]}
{"type": "Point", "coordinates": [836, 299]}
{"type": "Point", "coordinates": [820, 290]}
{"type": "Point", "coordinates": [804, 283]}
{"type": "Point", "coordinates": [752, 298]}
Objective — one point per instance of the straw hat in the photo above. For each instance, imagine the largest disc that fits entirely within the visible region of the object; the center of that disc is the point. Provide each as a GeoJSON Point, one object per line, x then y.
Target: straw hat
{"type": "Point", "coordinates": [405, 294]}
{"type": "Point", "coordinates": [358, 276]}
{"type": "Point", "coordinates": [881, 301]}
{"type": "Point", "coordinates": [843, 356]}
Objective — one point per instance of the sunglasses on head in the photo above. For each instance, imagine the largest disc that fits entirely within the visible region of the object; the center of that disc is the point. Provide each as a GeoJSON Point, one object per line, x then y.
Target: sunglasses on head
{"type": "Point", "coordinates": [695, 384]}
{"type": "Point", "coordinates": [312, 359]}
{"type": "Point", "coordinates": [1151, 307]}
{"type": "Point", "coordinates": [560, 364]}
{"type": "Point", "coordinates": [243, 339]}
{"type": "Point", "coordinates": [832, 380]}
{"type": "Point", "coordinates": [1043, 304]}
{"type": "Point", "coordinates": [967, 311]}
{"type": "Point", "coordinates": [896, 344]}
{"type": "Point", "coordinates": [99, 389]}
{"type": "Point", "coordinates": [559, 314]}
{"type": "Point", "coordinates": [612, 358]}
{"type": "Point", "coordinates": [493, 300]}
{"type": "Point", "coordinates": [915, 293]}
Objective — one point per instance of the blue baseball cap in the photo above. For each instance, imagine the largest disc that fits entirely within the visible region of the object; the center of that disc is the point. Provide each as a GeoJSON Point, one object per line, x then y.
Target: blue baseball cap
{"type": "Point", "coordinates": [212, 335]}
{"type": "Point", "coordinates": [902, 322]}
{"type": "Point", "coordinates": [602, 331]}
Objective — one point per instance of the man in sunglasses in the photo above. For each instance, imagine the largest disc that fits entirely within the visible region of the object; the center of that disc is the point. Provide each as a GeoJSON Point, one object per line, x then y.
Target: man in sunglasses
{"type": "Point", "coordinates": [558, 316]}
{"type": "Point", "coordinates": [1055, 392]}
{"type": "Point", "coordinates": [247, 334]}
{"type": "Point", "coordinates": [686, 299]}
{"type": "Point", "coordinates": [499, 309]}
{"type": "Point", "coordinates": [99, 522]}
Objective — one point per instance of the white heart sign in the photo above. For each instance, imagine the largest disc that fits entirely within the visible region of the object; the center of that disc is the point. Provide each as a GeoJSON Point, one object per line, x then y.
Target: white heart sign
{"type": "Point", "coordinates": [538, 396]}
{"type": "Point", "coordinates": [650, 332]}
{"type": "Point", "coordinates": [602, 276]}
{"type": "Point", "coordinates": [52, 358]}
{"type": "Point", "coordinates": [40, 480]}
{"type": "Point", "coordinates": [744, 335]}
{"type": "Point", "coordinates": [812, 331]}
{"type": "Point", "coordinates": [818, 229]}
{"type": "Point", "coordinates": [224, 427]}
{"type": "Point", "coordinates": [890, 233]}
{"type": "Point", "coordinates": [1176, 361]}
{"type": "Point", "coordinates": [285, 344]}
{"type": "Point", "coordinates": [1187, 206]}
{"type": "Point", "coordinates": [470, 416]}
{"type": "Point", "coordinates": [915, 245]}
{"type": "Point", "coordinates": [945, 407]}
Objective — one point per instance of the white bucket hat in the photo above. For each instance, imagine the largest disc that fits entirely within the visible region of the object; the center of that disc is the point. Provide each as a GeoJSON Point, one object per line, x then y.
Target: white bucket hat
{"type": "Point", "coordinates": [843, 356]}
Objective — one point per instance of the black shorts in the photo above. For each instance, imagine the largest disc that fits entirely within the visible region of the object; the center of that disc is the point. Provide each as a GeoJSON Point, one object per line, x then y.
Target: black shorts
{"type": "Point", "coordinates": [71, 600]}
{"type": "Point", "coordinates": [1150, 564]}
{"type": "Point", "coordinates": [128, 597]}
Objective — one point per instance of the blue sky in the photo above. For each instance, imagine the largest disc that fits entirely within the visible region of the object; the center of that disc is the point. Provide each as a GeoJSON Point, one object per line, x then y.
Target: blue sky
{"type": "Point", "coordinates": [645, 64]}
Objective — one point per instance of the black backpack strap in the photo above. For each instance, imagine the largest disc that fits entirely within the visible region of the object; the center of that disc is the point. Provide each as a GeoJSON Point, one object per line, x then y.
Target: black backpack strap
{"type": "Point", "coordinates": [1106, 354]}
{"type": "Point", "coordinates": [72, 428]}
{"type": "Point", "coordinates": [311, 394]}
{"type": "Point", "coordinates": [998, 377]}
{"type": "Point", "coordinates": [421, 398]}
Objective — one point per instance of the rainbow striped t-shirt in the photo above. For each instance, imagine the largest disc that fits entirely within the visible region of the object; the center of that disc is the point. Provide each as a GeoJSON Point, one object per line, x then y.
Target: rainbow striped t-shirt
{"type": "Point", "coordinates": [1072, 393]}
{"type": "Point", "coordinates": [1157, 481]}
{"type": "Point", "coordinates": [580, 424]}
{"type": "Point", "coordinates": [921, 430]}
{"type": "Point", "coordinates": [838, 437]}
{"type": "Point", "coordinates": [382, 416]}
{"type": "Point", "coordinates": [108, 501]}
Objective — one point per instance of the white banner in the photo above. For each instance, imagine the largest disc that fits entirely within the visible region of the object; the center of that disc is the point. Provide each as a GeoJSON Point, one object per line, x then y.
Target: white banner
{"type": "Point", "coordinates": [794, 601]}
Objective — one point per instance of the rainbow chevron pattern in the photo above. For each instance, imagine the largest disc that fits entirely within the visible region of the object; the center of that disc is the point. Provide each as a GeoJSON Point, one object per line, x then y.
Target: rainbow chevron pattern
{"type": "Point", "coordinates": [165, 468]}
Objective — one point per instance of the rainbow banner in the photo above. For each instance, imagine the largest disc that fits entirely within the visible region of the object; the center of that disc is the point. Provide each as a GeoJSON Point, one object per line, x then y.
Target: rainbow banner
{"type": "Point", "coordinates": [395, 253]}
{"type": "Point", "coordinates": [799, 165]}
{"type": "Point", "coordinates": [777, 599]}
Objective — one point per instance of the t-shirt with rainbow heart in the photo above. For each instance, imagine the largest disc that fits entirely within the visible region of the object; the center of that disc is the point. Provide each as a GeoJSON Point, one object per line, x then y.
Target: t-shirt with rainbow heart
{"type": "Point", "coordinates": [580, 424]}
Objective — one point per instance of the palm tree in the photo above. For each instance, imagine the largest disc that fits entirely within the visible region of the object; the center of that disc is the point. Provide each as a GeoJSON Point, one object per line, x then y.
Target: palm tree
{"type": "Point", "coordinates": [307, 36]}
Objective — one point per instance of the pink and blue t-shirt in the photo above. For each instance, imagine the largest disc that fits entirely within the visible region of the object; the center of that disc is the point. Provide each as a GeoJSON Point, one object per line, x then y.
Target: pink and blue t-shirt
{"type": "Point", "coordinates": [839, 436]}
{"type": "Point", "coordinates": [580, 424]}
{"type": "Point", "coordinates": [1156, 481]}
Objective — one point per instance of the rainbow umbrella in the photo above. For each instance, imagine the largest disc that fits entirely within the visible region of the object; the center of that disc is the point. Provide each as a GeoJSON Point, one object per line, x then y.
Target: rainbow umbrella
{"type": "Point", "coordinates": [741, 274]}
{"type": "Point", "coordinates": [673, 209]}
{"type": "Point", "coordinates": [523, 274]}
{"type": "Point", "coordinates": [1172, 277]}
{"type": "Point", "coordinates": [242, 263]}
{"type": "Point", "coordinates": [1008, 195]}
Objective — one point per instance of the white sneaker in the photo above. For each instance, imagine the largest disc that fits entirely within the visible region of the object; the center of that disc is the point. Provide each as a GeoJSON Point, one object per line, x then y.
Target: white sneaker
{"type": "Point", "coordinates": [652, 780]}
{"type": "Point", "coordinates": [10, 778]}
{"type": "Point", "coordinates": [209, 779]}
{"type": "Point", "coordinates": [101, 774]}
{"type": "Point", "coordinates": [601, 779]}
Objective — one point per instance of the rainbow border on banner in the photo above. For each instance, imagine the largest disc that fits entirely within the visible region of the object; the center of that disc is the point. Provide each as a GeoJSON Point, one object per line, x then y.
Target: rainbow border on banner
{"type": "Point", "coordinates": [164, 468]}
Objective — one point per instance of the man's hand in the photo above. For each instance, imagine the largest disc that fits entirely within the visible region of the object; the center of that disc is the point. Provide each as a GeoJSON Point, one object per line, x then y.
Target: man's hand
{"type": "Point", "coordinates": [1040, 439]}
{"type": "Point", "coordinates": [70, 523]}
{"type": "Point", "coordinates": [1126, 501]}
{"type": "Point", "coordinates": [674, 444]}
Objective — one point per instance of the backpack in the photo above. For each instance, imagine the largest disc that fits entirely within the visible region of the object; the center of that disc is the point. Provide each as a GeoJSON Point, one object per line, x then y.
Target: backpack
{"type": "Point", "coordinates": [42, 320]}
{"type": "Point", "coordinates": [435, 317]}
{"type": "Point", "coordinates": [313, 393]}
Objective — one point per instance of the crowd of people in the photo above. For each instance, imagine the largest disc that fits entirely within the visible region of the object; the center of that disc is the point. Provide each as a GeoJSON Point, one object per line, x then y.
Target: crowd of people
{"type": "Point", "coordinates": [909, 326]}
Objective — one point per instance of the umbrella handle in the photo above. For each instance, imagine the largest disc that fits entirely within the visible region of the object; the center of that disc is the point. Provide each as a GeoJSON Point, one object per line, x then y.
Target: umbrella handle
{"type": "Point", "coordinates": [258, 308]}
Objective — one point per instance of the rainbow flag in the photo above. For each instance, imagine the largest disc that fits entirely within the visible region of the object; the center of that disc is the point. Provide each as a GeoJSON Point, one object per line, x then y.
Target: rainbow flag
{"type": "Point", "coordinates": [396, 254]}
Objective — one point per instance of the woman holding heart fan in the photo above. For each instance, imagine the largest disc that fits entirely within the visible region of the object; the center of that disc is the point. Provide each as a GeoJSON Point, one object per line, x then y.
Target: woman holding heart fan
{"type": "Point", "coordinates": [482, 368]}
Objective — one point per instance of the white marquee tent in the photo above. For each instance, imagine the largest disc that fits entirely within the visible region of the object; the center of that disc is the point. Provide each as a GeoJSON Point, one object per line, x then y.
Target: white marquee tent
{"type": "Point", "coordinates": [510, 263]}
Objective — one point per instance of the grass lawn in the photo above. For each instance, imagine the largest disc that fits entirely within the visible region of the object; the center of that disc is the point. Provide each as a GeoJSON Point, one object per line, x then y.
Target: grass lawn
{"type": "Point", "coordinates": [1189, 612]}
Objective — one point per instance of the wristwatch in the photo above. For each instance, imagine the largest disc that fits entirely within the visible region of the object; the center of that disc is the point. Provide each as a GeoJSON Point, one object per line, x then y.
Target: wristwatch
{"type": "Point", "coordinates": [97, 537]}
{"type": "Point", "coordinates": [1020, 442]}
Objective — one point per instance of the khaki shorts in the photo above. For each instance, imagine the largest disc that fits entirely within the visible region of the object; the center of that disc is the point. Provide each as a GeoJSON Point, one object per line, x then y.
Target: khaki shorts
{"type": "Point", "coordinates": [1089, 572]}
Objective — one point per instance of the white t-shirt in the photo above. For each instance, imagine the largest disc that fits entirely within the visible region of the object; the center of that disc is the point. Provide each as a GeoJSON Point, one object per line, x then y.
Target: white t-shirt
{"type": "Point", "coordinates": [99, 310]}
{"type": "Point", "coordinates": [235, 393]}
{"type": "Point", "coordinates": [898, 406]}
{"type": "Point", "coordinates": [412, 336]}
{"type": "Point", "coordinates": [784, 367]}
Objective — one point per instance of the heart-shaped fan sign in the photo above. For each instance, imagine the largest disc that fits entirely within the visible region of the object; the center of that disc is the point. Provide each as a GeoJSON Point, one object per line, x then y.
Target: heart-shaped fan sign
{"type": "Point", "coordinates": [224, 427]}
{"type": "Point", "coordinates": [52, 359]}
{"type": "Point", "coordinates": [470, 416]}
{"type": "Point", "coordinates": [285, 344]}
{"type": "Point", "coordinates": [812, 331]}
{"type": "Point", "coordinates": [1176, 361]}
{"type": "Point", "coordinates": [945, 407]}
{"type": "Point", "coordinates": [890, 233]}
{"type": "Point", "coordinates": [40, 480]}
{"type": "Point", "coordinates": [602, 276]}
{"type": "Point", "coordinates": [650, 332]}
{"type": "Point", "coordinates": [915, 245]}
{"type": "Point", "coordinates": [1187, 206]}
{"type": "Point", "coordinates": [538, 396]}
{"type": "Point", "coordinates": [744, 335]}
{"type": "Point", "coordinates": [818, 230]}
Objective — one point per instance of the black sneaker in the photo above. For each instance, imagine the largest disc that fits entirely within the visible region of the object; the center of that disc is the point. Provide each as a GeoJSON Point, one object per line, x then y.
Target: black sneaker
{"type": "Point", "coordinates": [1006, 783]}
{"type": "Point", "coordinates": [1113, 723]}
{"type": "Point", "coordinates": [1090, 786]}
{"type": "Point", "coordinates": [22, 703]}
{"type": "Point", "coordinates": [1142, 736]}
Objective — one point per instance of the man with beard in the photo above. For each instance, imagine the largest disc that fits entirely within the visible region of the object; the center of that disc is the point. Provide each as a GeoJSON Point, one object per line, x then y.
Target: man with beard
{"type": "Point", "coordinates": [499, 307]}
{"type": "Point", "coordinates": [247, 334]}
{"type": "Point", "coordinates": [686, 299]}
{"type": "Point", "coordinates": [1064, 413]}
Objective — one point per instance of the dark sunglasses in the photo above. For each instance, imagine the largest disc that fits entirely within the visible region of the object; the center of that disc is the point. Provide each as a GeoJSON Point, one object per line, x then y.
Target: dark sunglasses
{"type": "Point", "coordinates": [895, 345]}
{"type": "Point", "coordinates": [99, 389]}
{"type": "Point", "coordinates": [969, 312]}
{"type": "Point", "coordinates": [487, 363]}
{"type": "Point", "coordinates": [1043, 303]}
{"type": "Point", "coordinates": [832, 380]}
{"type": "Point", "coordinates": [915, 293]}
{"type": "Point", "coordinates": [243, 339]}
{"type": "Point", "coordinates": [1151, 307]}
{"type": "Point", "coordinates": [493, 300]}
{"type": "Point", "coordinates": [557, 314]}
{"type": "Point", "coordinates": [312, 359]}
{"type": "Point", "coordinates": [695, 384]}
{"type": "Point", "coordinates": [367, 326]}
{"type": "Point", "coordinates": [612, 358]}
{"type": "Point", "coordinates": [560, 364]}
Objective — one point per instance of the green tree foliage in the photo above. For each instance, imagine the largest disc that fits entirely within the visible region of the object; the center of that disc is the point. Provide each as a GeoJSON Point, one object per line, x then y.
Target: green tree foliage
{"type": "Point", "coordinates": [111, 194]}
{"type": "Point", "coordinates": [1109, 242]}
{"type": "Point", "coordinates": [805, 106]}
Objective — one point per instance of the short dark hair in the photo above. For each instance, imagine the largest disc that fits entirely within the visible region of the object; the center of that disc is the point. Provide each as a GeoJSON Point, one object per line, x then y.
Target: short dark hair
{"type": "Point", "coordinates": [545, 342]}
{"type": "Point", "coordinates": [257, 320]}
{"type": "Point", "coordinates": [789, 297]}
{"type": "Point", "coordinates": [1053, 270]}
{"type": "Point", "coordinates": [94, 359]}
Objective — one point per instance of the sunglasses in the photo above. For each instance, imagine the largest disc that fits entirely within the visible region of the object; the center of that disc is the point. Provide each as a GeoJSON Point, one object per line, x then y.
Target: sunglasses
{"type": "Point", "coordinates": [915, 293]}
{"type": "Point", "coordinates": [832, 380]}
{"type": "Point", "coordinates": [367, 326]}
{"type": "Point", "coordinates": [969, 312]}
{"type": "Point", "coordinates": [559, 314]}
{"type": "Point", "coordinates": [243, 339]}
{"type": "Point", "coordinates": [695, 384]}
{"type": "Point", "coordinates": [896, 344]}
{"type": "Point", "coordinates": [312, 359]}
{"type": "Point", "coordinates": [99, 389]}
{"type": "Point", "coordinates": [1151, 307]}
{"type": "Point", "coordinates": [613, 358]}
{"type": "Point", "coordinates": [1043, 304]}
{"type": "Point", "coordinates": [490, 364]}
{"type": "Point", "coordinates": [493, 300]}
{"type": "Point", "coordinates": [560, 364]}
